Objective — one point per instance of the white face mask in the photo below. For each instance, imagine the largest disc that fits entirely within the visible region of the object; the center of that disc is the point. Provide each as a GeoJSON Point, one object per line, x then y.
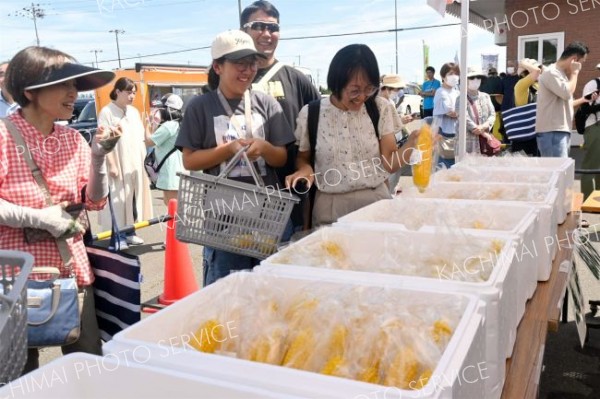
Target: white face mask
{"type": "Point", "coordinates": [452, 80]}
{"type": "Point", "coordinates": [510, 70]}
{"type": "Point", "coordinates": [474, 84]}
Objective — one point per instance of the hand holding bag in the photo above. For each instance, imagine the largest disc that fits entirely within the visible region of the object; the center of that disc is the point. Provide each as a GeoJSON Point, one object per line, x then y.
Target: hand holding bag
{"type": "Point", "coordinates": [491, 146]}
{"type": "Point", "coordinates": [52, 305]}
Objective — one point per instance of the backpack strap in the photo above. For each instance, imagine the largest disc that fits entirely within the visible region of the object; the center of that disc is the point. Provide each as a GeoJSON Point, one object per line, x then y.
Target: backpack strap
{"type": "Point", "coordinates": [314, 109]}
{"type": "Point", "coordinates": [165, 158]}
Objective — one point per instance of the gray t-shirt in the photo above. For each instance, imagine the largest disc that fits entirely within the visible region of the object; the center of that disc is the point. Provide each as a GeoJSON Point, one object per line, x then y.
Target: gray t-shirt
{"type": "Point", "coordinates": [206, 125]}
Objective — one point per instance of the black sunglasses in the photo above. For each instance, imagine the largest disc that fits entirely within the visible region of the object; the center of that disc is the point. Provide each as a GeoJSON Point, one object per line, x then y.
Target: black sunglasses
{"type": "Point", "coordinates": [261, 26]}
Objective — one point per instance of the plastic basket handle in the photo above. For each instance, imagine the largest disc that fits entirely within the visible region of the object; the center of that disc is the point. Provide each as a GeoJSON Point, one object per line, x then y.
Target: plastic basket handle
{"type": "Point", "coordinates": [238, 155]}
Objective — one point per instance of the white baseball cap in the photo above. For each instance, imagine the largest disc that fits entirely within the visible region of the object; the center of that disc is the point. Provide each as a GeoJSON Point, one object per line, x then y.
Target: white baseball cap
{"type": "Point", "coordinates": [233, 45]}
{"type": "Point", "coordinates": [172, 101]}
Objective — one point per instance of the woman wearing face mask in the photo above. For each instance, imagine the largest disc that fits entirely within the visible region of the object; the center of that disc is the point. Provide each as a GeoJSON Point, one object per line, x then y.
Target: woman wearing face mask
{"type": "Point", "coordinates": [480, 111]}
{"type": "Point", "coordinates": [352, 156]}
{"type": "Point", "coordinates": [444, 112]}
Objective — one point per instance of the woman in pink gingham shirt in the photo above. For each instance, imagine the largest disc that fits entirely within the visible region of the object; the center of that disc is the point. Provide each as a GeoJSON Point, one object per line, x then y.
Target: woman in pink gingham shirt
{"type": "Point", "coordinates": [45, 82]}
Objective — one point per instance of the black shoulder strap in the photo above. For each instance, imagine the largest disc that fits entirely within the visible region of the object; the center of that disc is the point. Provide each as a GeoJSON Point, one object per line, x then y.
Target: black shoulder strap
{"type": "Point", "coordinates": [373, 112]}
{"type": "Point", "coordinates": [314, 108]}
{"type": "Point", "coordinates": [165, 158]}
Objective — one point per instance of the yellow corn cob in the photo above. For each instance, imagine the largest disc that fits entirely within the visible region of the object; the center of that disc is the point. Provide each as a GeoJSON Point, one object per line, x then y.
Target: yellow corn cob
{"type": "Point", "coordinates": [422, 171]}
{"type": "Point", "coordinates": [299, 350]}
{"type": "Point", "coordinates": [402, 370]}
{"type": "Point", "coordinates": [441, 330]}
{"type": "Point", "coordinates": [370, 374]}
{"type": "Point", "coordinates": [336, 349]}
{"type": "Point", "coordinates": [267, 349]}
{"type": "Point", "coordinates": [333, 249]}
{"type": "Point", "coordinates": [298, 311]}
{"type": "Point", "coordinates": [423, 380]}
{"type": "Point", "coordinates": [477, 225]}
{"type": "Point", "coordinates": [208, 337]}
{"type": "Point", "coordinates": [497, 246]}
{"type": "Point", "coordinates": [243, 240]}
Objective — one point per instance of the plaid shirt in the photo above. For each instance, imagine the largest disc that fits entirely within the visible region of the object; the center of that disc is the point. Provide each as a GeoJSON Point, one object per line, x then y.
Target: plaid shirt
{"type": "Point", "coordinates": [64, 159]}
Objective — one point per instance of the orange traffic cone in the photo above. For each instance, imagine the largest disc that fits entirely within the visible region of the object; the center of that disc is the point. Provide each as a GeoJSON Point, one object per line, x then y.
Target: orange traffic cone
{"type": "Point", "coordinates": [180, 280]}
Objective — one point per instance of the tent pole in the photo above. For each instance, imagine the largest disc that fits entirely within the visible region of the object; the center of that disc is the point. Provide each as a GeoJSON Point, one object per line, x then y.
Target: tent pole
{"type": "Point", "coordinates": [462, 112]}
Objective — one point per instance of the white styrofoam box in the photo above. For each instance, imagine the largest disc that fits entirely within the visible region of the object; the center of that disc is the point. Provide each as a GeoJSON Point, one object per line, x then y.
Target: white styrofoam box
{"type": "Point", "coordinates": [564, 166]}
{"type": "Point", "coordinates": [507, 175]}
{"type": "Point", "coordinates": [542, 196]}
{"type": "Point", "coordinates": [80, 375]}
{"type": "Point", "coordinates": [372, 255]}
{"type": "Point", "coordinates": [169, 326]}
{"type": "Point", "coordinates": [519, 220]}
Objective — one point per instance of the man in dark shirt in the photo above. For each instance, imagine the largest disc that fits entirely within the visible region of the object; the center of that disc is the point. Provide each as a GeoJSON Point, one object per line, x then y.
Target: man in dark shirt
{"type": "Point", "coordinates": [508, 86]}
{"type": "Point", "coordinates": [290, 87]}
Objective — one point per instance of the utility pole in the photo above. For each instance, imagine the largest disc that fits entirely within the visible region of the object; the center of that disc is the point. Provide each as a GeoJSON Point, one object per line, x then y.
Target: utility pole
{"type": "Point", "coordinates": [96, 55]}
{"type": "Point", "coordinates": [396, 31]}
{"type": "Point", "coordinates": [240, 11]}
{"type": "Point", "coordinates": [34, 12]}
{"type": "Point", "coordinates": [298, 60]}
{"type": "Point", "coordinates": [116, 32]}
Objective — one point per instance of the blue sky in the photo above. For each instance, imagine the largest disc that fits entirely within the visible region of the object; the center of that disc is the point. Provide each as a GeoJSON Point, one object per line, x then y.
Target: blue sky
{"type": "Point", "coordinates": [157, 26]}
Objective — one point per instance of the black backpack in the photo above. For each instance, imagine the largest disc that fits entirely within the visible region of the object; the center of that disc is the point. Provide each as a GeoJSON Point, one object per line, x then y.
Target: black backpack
{"type": "Point", "coordinates": [314, 109]}
{"type": "Point", "coordinates": [584, 111]}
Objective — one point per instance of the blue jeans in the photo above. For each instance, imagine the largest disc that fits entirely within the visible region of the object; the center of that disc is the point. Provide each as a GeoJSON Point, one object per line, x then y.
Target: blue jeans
{"type": "Point", "coordinates": [554, 144]}
{"type": "Point", "coordinates": [217, 263]}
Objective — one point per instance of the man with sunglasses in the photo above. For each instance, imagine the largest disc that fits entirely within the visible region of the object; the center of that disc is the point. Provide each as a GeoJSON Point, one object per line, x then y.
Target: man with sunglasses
{"type": "Point", "coordinates": [290, 87]}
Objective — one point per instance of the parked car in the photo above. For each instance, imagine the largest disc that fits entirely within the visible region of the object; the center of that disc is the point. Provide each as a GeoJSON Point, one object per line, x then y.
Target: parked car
{"type": "Point", "coordinates": [87, 122]}
{"type": "Point", "coordinates": [411, 102]}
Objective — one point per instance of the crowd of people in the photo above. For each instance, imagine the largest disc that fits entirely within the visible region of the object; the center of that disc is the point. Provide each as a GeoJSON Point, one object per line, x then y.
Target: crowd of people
{"type": "Point", "coordinates": [290, 133]}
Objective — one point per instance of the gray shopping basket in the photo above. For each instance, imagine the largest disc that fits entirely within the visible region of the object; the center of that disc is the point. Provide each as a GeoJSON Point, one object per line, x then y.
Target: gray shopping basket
{"type": "Point", "coordinates": [231, 215]}
{"type": "Point", "coordinates": [14, 271]}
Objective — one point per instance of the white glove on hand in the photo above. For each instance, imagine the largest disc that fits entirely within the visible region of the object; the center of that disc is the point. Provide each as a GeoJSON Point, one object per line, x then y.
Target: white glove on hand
{"type": "Point", "coordinates": [53, 219]}
{"type": "Point", "coordinates": [104, 142]}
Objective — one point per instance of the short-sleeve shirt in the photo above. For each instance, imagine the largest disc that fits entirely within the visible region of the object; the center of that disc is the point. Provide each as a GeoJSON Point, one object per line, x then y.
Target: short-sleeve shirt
{"type": "Point", "coordinates": [347, 155]}
{"type": "Point", "coordinates": [164, 139]}
{"type": "Point", "coordinates": [430, 85]}
{"type": "Point", "coordinates": [444, 102]}
{"type": "Point", "coordinates": [206, 125]}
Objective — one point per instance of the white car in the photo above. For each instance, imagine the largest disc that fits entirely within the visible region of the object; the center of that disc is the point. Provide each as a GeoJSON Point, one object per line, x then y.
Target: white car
{"type": "Point", "coordinates": [411, 102]}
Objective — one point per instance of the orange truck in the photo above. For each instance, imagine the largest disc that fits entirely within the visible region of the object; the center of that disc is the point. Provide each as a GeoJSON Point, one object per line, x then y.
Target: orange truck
{"type": "Point", "coordinates": [155, 80]}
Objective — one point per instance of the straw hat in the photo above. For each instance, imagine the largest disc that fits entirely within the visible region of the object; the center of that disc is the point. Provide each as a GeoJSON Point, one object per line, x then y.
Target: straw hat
{"type": "Point", "coordinates": [393, 81]}
{"type": "Point", "coordinates": [475, 72]}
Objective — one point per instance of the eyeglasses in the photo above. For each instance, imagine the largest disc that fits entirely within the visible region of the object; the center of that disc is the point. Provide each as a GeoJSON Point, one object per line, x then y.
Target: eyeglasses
{"type": "Point", "coordinates": [368, 92]}
{"type": "Point", "coordinates": [261, 26]}
{"type": "Point", "coordinates": [243, 64]}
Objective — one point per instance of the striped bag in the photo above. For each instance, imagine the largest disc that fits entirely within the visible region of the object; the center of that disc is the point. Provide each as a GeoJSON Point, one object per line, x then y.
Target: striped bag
{"type": "Point", "coordinates": [519, 122]}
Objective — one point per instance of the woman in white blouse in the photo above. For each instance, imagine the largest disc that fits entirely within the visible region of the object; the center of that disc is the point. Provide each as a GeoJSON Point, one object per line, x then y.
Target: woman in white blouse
{"type": "Point", "coordinates": [129, 184]}
{"type": "Point", "coordinates": [352, 158]}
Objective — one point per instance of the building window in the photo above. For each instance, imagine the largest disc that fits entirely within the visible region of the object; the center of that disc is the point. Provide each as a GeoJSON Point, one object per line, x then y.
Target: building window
{"type": "Point", "coordinates": [545, 48]}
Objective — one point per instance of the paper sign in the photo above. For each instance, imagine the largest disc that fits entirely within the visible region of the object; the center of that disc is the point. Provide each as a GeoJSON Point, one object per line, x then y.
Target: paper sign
{"type": "Point", "coordinates": [578, 304]}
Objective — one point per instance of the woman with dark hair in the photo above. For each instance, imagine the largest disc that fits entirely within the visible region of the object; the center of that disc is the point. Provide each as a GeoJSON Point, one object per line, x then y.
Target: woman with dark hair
{"type": "Point", "coordinates": [45, 82]}
{"type": "Point", "coordinates": [162, 134]}
{"type": "Point", "coordinates": [444, 112]}
{"type": "Point", "coordinates": [129, 183]}
{"type": "Point", "coordinates": [355, 153]}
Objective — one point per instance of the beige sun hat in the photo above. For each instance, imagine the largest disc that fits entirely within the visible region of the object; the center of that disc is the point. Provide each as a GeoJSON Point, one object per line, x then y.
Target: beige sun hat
{"type": "Point", "coordinates": [474, 71]}
{"type": "Point", "coordinates": [393, 81]}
